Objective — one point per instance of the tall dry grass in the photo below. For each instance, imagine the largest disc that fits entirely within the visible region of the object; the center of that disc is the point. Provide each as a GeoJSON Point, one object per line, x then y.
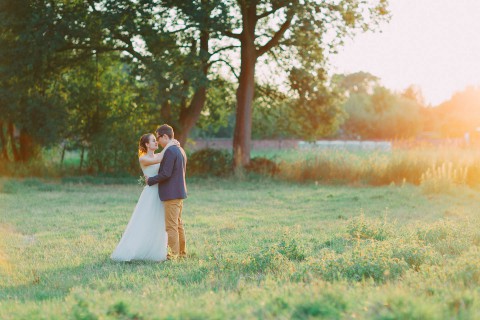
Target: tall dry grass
{"type": "Point", "coordinates": [435, 169]}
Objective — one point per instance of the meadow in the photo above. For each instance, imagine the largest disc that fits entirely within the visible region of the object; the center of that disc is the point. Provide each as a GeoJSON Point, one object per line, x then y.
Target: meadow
{"type": "Point", "coordinates": [258, 249]}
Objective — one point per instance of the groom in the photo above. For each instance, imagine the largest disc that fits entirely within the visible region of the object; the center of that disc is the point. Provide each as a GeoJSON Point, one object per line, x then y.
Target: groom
{"type": "Point", "coordinates": [172, 190]}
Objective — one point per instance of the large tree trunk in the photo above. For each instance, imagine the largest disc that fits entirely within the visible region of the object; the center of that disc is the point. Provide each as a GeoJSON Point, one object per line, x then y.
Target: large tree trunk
{"type": "Point", "coordinates": [166, 111]}
{"type": "Point", "coordinates": [189, 116]}
{"type": "Point", "coordinates": [13, 142]}
{"type": "Point", "coordinates": [3, 141]}
{"type": "Point", "coordinates": [242, 136]}
{"type": "Point", "coordinates": [28, 148]}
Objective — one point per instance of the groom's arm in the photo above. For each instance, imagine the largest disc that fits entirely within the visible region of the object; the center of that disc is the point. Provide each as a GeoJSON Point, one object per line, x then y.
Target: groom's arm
{"type": "Point", "coordinates": [166, 168]}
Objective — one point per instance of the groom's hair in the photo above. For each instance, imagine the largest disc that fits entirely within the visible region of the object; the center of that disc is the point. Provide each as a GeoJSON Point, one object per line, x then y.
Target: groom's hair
{"type": "Point", "coordinates": [165, 129]}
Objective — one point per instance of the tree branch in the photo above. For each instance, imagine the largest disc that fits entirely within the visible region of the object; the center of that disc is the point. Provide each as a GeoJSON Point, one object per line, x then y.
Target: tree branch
{"type": "Point", "coordinates": [227, 63]}
{"type": "Point", "coordinates": [90, 48]}
{"type": "Point", "coordinates": [230, 34]}
{"type": "Point", "coordinates": [267, 13]}
{"type": "Point", "coordinates": [276, 37]}
{"type": "Point", "coordinates": [224, 48]}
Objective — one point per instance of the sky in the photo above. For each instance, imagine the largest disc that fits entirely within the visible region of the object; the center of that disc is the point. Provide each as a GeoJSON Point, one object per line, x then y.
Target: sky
{"type": "Point", "coordinates": [434, 44]}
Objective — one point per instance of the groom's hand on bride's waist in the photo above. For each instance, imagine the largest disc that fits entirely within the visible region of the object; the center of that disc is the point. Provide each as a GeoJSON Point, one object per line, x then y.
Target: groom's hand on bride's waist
{"type": "Point", "coordinates": [146, 180]}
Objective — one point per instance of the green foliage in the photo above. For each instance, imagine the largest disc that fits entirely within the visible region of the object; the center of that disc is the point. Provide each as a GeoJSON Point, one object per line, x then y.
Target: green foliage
{"type": "Point", "coordinates": [381, 115]}
{"type": "Point", "coordinates": [81, 311]}
{"type": "Point", "coordinates": [402, 307]}
{"type": "Point", "coordinates": [268, 260]}
{"type": "Point", "coordinates": [369, 260]}
{"type": "Point", "coordinates": [328, 306]}
{"type": "Point", "coordinates": [363, 228]}
{"type": "Point", "coordinates": [120, 310]}
{"type": "Point", "coordinates": [211, 162]}
{"type": "Point", "coordinates": [218, 117]}
{"type": "Point", "coordinates": [291, 249]}
{"type": "Point", "coordinates": [442, 237]}
{"type": "Point", "coordinates": [271, 114]}
{"type": "Point", "coordinates": [415, 254]}
{"type": "Point", "coordinates": [317, 113]}
{"type": "Point", "coordinates": [467, 269]}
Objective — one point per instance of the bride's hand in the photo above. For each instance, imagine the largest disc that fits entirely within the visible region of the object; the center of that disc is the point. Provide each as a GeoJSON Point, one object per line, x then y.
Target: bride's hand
{"type": "Point", "coordinates": [175, 142]}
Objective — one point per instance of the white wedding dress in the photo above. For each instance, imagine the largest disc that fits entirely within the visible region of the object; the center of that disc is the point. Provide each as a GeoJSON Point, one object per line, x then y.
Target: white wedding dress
{"type": "Point", "coordinates": [145, 237]}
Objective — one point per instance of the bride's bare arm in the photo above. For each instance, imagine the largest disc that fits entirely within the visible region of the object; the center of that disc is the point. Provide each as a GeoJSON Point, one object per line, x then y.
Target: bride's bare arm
{"type": "Point", "coordinates": [145, 160]}
{"type": "Point", "coordinates": [157, 158]}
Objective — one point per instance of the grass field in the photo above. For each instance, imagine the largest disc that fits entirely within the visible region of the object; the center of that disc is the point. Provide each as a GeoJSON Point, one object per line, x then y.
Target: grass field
{"type": "Point", "coordinates": [258, 249]}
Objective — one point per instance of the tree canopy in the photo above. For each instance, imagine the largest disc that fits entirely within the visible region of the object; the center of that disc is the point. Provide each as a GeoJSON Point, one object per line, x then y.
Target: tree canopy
{"type": "Point", "coordinates": [82, 71]}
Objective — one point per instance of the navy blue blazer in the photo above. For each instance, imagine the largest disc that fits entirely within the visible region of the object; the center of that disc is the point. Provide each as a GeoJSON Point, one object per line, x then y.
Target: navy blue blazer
{"type": "Point", "coordinates": [171, 175]}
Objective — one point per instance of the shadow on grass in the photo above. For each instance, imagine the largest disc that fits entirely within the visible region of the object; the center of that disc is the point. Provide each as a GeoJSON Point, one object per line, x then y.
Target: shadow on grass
{"type": "Point", "coordinates": [101, 275]}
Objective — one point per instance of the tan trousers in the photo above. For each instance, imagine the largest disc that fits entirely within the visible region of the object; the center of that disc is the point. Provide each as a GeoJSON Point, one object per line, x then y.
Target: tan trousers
{"type": "Point", "coordinates": [174, 226]}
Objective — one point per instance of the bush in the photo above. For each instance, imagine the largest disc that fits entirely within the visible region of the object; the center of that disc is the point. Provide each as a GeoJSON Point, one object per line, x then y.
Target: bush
{"type": "Point", "coordinates": [263, 166]}
{"type": "Point", "coordinates": [327, 306]}
{"type": "Point", "coordinates": [445, 237]}
{"type": "Point", "coordinates": [402, 307]}
{"type": "Point", "coordinates": [291, 249]}
{"type": "Point", "coordinates": [210, 162]}
{"type": "Point", "coordinates": [268, 260]}
{"type": "Point", "coordinates": [415, 254]}
{"type": "Point", "coordinates": [363, 228]}
{"type": "Point", "coordinates": [372, 260]}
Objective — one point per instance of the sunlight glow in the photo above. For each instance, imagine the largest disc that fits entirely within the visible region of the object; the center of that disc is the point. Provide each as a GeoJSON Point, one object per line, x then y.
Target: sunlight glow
{"type": "Point", "coordinates": [430, 43]}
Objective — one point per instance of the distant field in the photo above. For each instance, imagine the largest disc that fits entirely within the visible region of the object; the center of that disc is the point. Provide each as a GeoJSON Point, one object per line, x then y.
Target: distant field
{"type": "Point", "coordinates": [258, 249]}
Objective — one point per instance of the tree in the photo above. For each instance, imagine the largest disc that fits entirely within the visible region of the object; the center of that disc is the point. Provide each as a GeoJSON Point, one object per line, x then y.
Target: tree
{"type": "Point", "coordinates": [461, 113]}
{"type": "Point", "coordinates": [414, 93]}
{"type": "Point", "coordinates": [170, 42]}
{"type": "Point", "coordinates": [105, 113]}
{"type": "Point", "coordinates": [287, 29]}
{"type": "Point", "coordinates": [31, 34]}
{"type": "Point", "coordinates": [318, 110]}
{"type": "Point", "coordinates": [374, 112]}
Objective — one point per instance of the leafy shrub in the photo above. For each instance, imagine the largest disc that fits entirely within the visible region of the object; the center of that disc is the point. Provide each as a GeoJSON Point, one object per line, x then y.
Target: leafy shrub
{"type": "Point", "coordinates": [291, 249]}
{"type": "Point", "coordinates": [263, 166]}
{"type": "Point", "coordinates": [337, 244]}
{"type": "Point", "coordinates": [465, 269]}
{"type": "Point", "coordinates": [120, 311]}
{"type": "Point", "coordinates": [363, 228]}
{"type": "Point", "coordinates": [463, 305]}
{"type": "Point", "coordinates": [327, 306]}
{"type": "Point", "coordinates": [402, 307]}
{"type": "Point", "coordinates": [447, 238]}
{"type": "Point", "coordinates": [415, 254]}
{"type": "Point", "coordinates": [210, 162]}
{"type": "Point", "coordinates": [371, 260]}
{"type": "Point", "coordinates": [81, 311]}
{"type": "Point", "coordinates": [10, 186]}
{"type": "Point", "coordinates": [268, 260]}
{"type": "Point", "coordinates": [276, 258]}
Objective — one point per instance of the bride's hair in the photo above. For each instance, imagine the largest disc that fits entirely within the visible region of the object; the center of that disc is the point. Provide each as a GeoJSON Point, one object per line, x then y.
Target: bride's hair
{"type": "Point", "coordinates": [142, 144]}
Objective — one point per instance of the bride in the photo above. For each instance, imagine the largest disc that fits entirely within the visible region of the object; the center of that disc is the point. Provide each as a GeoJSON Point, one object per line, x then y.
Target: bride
{"type": "Point", "coordinates": [145, 237]}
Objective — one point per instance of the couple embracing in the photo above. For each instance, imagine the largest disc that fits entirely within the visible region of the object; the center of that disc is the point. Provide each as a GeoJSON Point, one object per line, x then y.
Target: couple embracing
{"type": "Point", "coordinates": [156, 223]}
